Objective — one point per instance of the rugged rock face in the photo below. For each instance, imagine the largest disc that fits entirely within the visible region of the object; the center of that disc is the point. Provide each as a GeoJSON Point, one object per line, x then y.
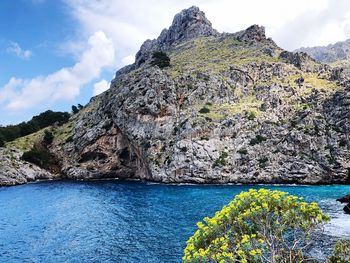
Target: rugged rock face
{"type": "Point", "coordinates": [231, 108]}
{"type": "Point", "coordinates": [336, 55]}
{"type": "Point", "coordinates": [15, 171]}
{"type": "Point", "coordinates": [301, 60]}
{"type": "Point", "coordinates": [189, 24]}
{"type": "Point", "coordinates": [330, 53]}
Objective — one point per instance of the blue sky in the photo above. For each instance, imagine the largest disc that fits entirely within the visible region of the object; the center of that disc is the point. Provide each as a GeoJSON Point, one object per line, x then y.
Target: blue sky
{"type": "Point", "coordinates": [37, 28]}
{"type": "Point", "coordinates": [36, 39]}
{"type": "Point", "coordinates": [56, 53]}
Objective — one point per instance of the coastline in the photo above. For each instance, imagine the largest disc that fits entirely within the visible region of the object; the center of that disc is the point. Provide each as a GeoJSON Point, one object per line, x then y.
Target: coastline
{"type": "Point", "coordinates": [150, 182]}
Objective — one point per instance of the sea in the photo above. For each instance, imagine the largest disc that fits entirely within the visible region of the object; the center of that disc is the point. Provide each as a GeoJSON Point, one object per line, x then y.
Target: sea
{"type": "Point", "coordinates": [128, 221]}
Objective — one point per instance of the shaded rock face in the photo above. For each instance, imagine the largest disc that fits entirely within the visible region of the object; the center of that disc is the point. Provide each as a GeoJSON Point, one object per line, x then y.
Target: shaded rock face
{"type": "Point", "coordinates": [98, 149]}
{"type": "Point", "coordinates": [14, 171]}
{"type": "Point", "coordinates": [300, 59]}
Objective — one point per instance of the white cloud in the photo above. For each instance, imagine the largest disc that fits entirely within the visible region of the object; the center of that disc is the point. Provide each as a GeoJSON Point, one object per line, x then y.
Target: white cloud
{"type": "Point", "coordinates": [14, 48]}
{"type": "Point", "coordinates": [128, 60]}
{"type": "Point", "coordinates": [323, 24]}
{"type": "Point", "coordinates": [64, 84]}
{"type": "Point", "coordinates": [127, 23]}
{"type": "Point", "coordinates": [100, 87]}
{"type": "Point", "coordinates": [71, 48]}
{"type": "Point", "coordinates": [290, 23]}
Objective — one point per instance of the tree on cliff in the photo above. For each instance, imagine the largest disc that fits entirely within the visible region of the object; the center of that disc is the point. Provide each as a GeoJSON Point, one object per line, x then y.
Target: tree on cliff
{"type": "Point", "coordinates": [75, 109]}
{"type": "Point", "coordinates": [160, 59]}
{"type": "Point", "coordinates": [2, 141]}
{"type": "Point", "coordinates": [48, 137]}
{"type": "Point", "coordinates": [43, 120]}
{"type": "Point", "coordinates": [257, 226]}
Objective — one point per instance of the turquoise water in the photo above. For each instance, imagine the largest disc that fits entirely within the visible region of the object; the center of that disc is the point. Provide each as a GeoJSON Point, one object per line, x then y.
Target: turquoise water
{"type": "Point", "coordinates": [112, 221]}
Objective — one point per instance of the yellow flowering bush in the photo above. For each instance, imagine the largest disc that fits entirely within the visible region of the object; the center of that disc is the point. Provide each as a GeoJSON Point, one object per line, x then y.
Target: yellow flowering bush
{"type": "Point", "coordinates": [257, 226]}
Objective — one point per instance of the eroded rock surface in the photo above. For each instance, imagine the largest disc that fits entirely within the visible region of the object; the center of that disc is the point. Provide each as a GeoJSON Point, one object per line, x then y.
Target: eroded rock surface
{"type": "Point", "coordinates": [231, 108]}
{"type": "Point", "coordinates": [14, 171]}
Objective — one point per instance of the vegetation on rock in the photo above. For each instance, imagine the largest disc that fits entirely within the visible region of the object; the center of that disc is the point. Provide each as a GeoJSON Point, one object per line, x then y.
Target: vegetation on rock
{"type": "Point", "coordinates": [39, 156]}
{"type": "Point", "coordinates": [204, 110]}
{"type": "Point", "coordinates": [221, 161]}
{"type": "Point", "coordinates": [43, 120]}
{"type": "Point", "coordinates": [75, 109]}
{"type": "Point", "coordinates": [341, 252]}
{"type": "Point", "coordinates": [233, 93]}
{"type": "Point", "coordinates": [48, 137]}
{"type": "Point", "coordinates": [39, 153]}
{"type": "Point", "coordinates": [160, 59]}
{"type": "Point", "coordinates": [257, 226]}
{"type": "Point", "coordinates": [2, 141]}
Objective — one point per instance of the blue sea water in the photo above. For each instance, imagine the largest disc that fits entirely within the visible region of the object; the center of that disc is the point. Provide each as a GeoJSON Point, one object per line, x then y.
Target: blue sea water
{"type": "Point", "coordinates": [114, 221]}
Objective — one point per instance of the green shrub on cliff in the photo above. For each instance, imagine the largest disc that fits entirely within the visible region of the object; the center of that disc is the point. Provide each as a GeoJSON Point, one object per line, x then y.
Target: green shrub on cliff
{"type": "Point", "coordinates": [258, 139]}
{"type": "Point", "coordinates": [221, 161]}
{"type": "Point", "coordinates": [48, 137]}
{"type": "Point", "coordinates": [204, 110]}
{"type": "Point", "coordinates": [2, 141]}
{"type": "Point", "coordinates": [257, 226]}
{"type": "Point", "coordinates": [160, 59]}
{"type": "Point", "coordinates": [39, 156]}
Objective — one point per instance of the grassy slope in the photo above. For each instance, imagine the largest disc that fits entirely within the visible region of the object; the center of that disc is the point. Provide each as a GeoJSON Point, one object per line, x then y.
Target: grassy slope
{"type": "Point", "coordinates": [212, 56]}
{"type": "Point", "coordinates": [345, 64]}
{"type": "Point", "coordinates": [215, 56]}
{"type": "Point", "coordinates": [61, 133]}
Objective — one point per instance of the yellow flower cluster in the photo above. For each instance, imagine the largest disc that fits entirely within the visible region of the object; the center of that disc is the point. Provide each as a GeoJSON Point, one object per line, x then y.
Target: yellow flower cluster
{"type": "Point", "coordinates": [235, 234]}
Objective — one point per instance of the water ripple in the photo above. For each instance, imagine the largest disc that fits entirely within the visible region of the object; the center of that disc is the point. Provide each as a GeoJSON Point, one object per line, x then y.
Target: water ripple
{"type": "Point", "coordinates": [113, 221]}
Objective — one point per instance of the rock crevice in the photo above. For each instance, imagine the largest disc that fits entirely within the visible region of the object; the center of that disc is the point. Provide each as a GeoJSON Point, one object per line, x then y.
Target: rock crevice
{"type": "Point", "coordinates": [231, 108]}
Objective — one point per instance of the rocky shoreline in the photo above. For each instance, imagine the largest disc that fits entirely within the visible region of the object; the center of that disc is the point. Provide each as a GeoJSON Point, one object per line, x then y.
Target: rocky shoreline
{"type": "Point", "coordinates": [14, 171]}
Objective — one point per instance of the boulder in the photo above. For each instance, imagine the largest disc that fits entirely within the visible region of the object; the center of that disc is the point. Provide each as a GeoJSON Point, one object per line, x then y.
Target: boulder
{"type": "Point", "coordinates": [344, 199]}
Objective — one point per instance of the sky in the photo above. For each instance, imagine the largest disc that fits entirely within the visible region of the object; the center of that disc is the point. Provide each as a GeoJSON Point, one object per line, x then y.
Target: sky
{"type": "Point", "coordinates": [58, 53]}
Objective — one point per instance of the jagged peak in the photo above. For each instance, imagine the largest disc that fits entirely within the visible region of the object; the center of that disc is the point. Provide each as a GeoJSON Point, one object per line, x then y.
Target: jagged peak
{"type": "Point", "coordinates": [299, 59]}
{"type": "Point", "coordinates": [189, 23]}
{"type": "Point", "coordinates": [252, 33]}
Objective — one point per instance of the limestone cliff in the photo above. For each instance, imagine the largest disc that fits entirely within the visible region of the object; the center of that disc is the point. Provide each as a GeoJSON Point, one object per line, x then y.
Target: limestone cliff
{"type": "Point", "coordinates": [14, 171]}
{"type": "Point", "coordinates": [231, 108]}
{"type": "Point", "coordinates": [337, 54]}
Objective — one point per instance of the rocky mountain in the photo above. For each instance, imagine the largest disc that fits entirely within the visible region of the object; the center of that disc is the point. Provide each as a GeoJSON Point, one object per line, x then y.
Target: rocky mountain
{"type": "Point", "coordinates": [231, 108]}
{"type": "Point", "coordinates": [337, 55]}
{"type": "Point", "coordinates": [15, 171]}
